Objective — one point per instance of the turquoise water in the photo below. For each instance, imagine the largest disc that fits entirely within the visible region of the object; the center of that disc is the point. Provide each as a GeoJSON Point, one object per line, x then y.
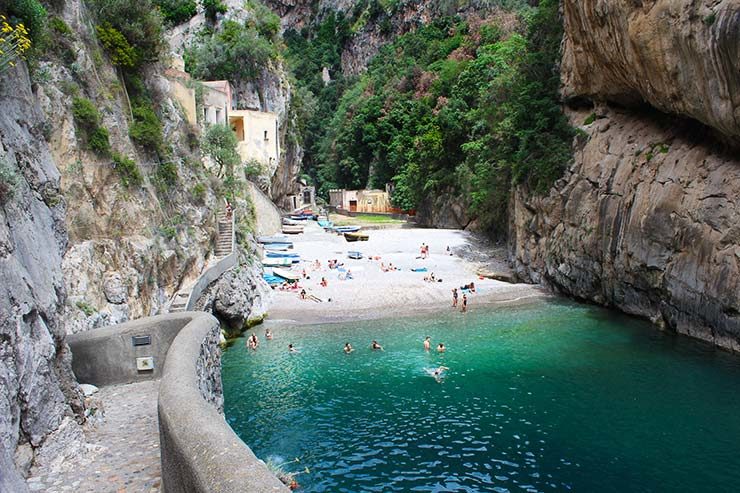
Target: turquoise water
{"type": "Point", "coordinates": [550, 397]}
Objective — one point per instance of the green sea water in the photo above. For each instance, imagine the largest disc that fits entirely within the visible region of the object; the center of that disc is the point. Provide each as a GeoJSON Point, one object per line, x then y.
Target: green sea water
{"type": "Point", "coordinates": [553, 396]}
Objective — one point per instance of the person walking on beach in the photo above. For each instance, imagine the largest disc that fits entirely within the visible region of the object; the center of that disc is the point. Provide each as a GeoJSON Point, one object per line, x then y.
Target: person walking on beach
{"type": "Point", "coordinates": [427, 343]}
{"type": "Point", "coordinates": [454, 297]}
{"type": "Point", "coordinates": [464, 304]}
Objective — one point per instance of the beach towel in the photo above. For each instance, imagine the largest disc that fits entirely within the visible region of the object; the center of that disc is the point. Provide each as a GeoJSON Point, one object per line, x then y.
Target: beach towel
{"type": "Point", "coordinates": [419, 269]}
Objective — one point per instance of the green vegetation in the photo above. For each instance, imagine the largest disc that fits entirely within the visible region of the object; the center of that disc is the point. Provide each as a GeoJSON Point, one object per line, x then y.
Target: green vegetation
{"type": "Point", "coordinates": [177, 11]}
{"type": "Point", "coordinates": [86, 308]}
{"type": "Point", "coordinates": [236, 51]}
{"type": "Point", "coordinates": [127, 170]}
{"type": "Point", "coordinates": [87, 118]}
{"type": "Point", "coordinates": [212, 8]}
{"type": "Point", "coordinates": [121, 53]}
{"type": "Point", "coordinates": [363, 220]}
{"type": "Point", "coordinates": [590, 119]}
{"type": "Point", "coordinates": [219, 143]}
{"type": "Point", "coordinates": [9, 181]}
{"type": "Point", "coordinates": [146, 129]}
{"type": "Point", "coordinates": [32, 14]}
{"type": "Point", "coordinates": [198, 192]}
{"type": "Point", "coordinates": [709, 19]}
{"type": "Point", "coordinates": [451, 108]}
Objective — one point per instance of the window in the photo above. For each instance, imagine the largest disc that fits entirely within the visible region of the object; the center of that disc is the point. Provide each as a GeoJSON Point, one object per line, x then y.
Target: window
{"type": "Point", "coordinates": [218, 115]}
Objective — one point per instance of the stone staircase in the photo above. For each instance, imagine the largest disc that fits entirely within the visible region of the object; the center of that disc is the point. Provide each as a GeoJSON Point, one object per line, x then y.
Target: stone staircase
{"type": "Point", "coordinates": [225, 236]}
{"type": "Point", "coordinates": [224, 246]}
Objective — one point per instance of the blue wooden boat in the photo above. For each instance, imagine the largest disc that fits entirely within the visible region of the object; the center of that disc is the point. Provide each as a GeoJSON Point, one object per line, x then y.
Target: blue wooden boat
{"type": "Point", "coordinates": [278, 247]}
{"type": "Point", "coordinates": [272, 280]}
{"type": "Point", "coordinates": [281, 255]}
{"type": "Point", "coordinates": [325, 224]}
{"type": "Point", "coordinates": [354, 255]}
{"type": "Point", "coordinates": [347, 229]}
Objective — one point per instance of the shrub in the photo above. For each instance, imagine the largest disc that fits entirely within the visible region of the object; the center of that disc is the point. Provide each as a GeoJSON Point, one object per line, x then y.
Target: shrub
{"type": "Point", "coordinates": [177, 11]}
{"type": "Point", "coordinates": [31, 14]}
{"type": "Point", "coordinates": [85, 113]}
{"type": "Point", "coordinates": [127, 170]}
{"type": "Point", "coordinates": [119, 50]}
{"type": "Point", "coordinates": [212, 8]}
{"type": "Point", "coordinates": [167, 173]}
{"type": "Point", "coordinates": [98, 141]}
{"type": "Point", "coordinates": [139, 22]}
{"type": "Point", "coordinates": [590, 119]}
{"type": "Point", "coordinates": [8, 181]}
{"type": "Point", "coordinates": [198, 193]}
{"type": "Point", "coordinates": [60, 27]}
{"type": "Point", "coordinates": [146, 129]}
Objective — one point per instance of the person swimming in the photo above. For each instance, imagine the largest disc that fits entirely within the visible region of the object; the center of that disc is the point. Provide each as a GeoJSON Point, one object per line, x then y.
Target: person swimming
{"type": "Point", "coordinates": [427, 343]}
{"type": "Point", "coordinates": [253, 342]}
{"type": "Point", "coordinates": [268, 334]}
{"type": "Point", "coordinates": [376, 347]}
{"type": "Point", "coordinates": [348, 348]}
{"type": "Point", "coordinates": [292, 349]}
{"type": "Point", "coordinates": [441, 348]}
{"type": "Point", "coordinates": [437, 373]}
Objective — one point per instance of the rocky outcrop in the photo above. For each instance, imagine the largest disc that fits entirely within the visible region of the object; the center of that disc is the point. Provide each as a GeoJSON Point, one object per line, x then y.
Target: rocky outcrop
{"type": "Point", "coordinates": [680, 56]}
{"type": "Point", "coordinates": [239, 296]}
{"type": "Point", "coordinates": [647, 220]}
{"type": "Point", "coordinates": [444, 210]}
{"type": "Point", "coordinates": [39, 398]}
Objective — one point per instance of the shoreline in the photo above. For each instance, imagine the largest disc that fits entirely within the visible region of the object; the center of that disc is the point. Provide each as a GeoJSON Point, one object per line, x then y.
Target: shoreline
{"type": "Point", "coordinates": [373, 293]}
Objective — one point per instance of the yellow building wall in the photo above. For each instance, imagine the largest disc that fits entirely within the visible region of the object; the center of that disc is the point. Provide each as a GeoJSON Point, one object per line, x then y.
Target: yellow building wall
{"type": "Point", "coordinates": [257, 133]}
{"type": "Point", "coordinates": [186, 97]}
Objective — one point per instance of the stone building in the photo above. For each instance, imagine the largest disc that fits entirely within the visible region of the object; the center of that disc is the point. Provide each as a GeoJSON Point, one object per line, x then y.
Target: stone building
{"type": "Point", "coordinates": [218, 102]}
{"type": "Point", "coordinates": [305, 198]}
{"type": "Point", "coordinates": [258, 136]}
{"type": "Point", "coordinates": [360, 200]}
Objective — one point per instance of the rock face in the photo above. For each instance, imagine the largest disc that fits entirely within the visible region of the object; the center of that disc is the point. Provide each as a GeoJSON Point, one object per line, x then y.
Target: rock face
{"type": "Point", "coordinates": [647, 220]}
{"type": "Point", "coordinates": [444, 210]}
{"type": "Point", "coordinates": [680, 56]}
{"type": "Point", "coordinates": [38, 392]}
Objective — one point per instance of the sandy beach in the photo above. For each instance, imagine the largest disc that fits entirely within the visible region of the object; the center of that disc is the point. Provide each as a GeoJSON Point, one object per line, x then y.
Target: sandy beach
{"type": "Point", "coordinates": [373, 293]}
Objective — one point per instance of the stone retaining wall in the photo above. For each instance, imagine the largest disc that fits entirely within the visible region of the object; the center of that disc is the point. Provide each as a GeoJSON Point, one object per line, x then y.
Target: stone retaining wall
{"type": "Point", "coordinates": [199, 450]}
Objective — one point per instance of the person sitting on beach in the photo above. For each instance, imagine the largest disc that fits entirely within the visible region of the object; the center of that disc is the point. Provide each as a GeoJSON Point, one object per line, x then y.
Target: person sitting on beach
{"type": "Point", "coordinates": [317, 265]}
{"type": "Point", "coordinates": [323, 282]}
{"type": "Point", "coordinates": [469, 287]}
{"type": "Point", "coordinates": [449, 252]}
{"type": "Point", "coordinates": [304, 274]}
{"type": "Point", "coordinates": [390, 266]}
{"type": "Point", "coordinates": [376, 347]}
{"type": "Point", "coordinates": [348, 348]}
{"type": "Point", "coordinates": [454, 297]}
{"type": "Point", "coordinates": [383, 267]}
{"type": "Point", "coordinates": [441, 348]}
{"type": "Point", "coordinates": [348, 275]}
{"type": "Point", "coordinates": [427, 343]}
{"type": "Point", "coordinates": [268, 334]}
{"type": "Point", "coordinates": [332, 264]}
{"type": "Point", "coordinates": [303, 294]}
{"type": "Point", "coordinates": [292, 349]}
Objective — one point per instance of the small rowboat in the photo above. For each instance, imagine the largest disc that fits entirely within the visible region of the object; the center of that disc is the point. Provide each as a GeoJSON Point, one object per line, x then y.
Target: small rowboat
{"type": "Point", "coordinates": [281, 255]}
{"type": "Point", "coordinates": [347, 229]}
{"type": "Point", "coordinates": [354, 255]}
{"type": "Point", "coordinates": [272, 280]}
{"type": "Point", "coordinates": [278, 247]}
{"type": "Point", "coordinates": [295, 217]}
{"type": "Point", "coordinates": [291, 222]}
{"type": "Point", "coordinates": [277, 262]}
{"type": "Point", "coordinates": [286, 274]}
{"type": "Point", "coordinates": [326, 224]}
{"type": "Point", "coordinates": [356, 236]}
{"type": "Point", "coordinates": [292, 230]}
{"type": "Point", "coordinates": [272, 239]}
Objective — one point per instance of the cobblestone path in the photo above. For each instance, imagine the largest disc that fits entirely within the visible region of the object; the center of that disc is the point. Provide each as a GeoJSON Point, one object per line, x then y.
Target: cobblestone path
{"type": "Point", "coordinates": [127, 456]}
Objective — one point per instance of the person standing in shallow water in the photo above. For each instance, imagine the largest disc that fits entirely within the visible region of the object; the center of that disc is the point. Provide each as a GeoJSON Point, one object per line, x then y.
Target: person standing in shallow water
{"type": "Point", "coordinates": [464, 307]}
{"type": "Point", "coordinates": [427, 343]}
{"type": "Point", "coordinates": [454, 297]}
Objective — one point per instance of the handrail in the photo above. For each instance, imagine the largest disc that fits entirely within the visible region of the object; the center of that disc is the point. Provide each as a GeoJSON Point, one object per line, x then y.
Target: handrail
{"type": "Point", "coordinates": [214, 272]}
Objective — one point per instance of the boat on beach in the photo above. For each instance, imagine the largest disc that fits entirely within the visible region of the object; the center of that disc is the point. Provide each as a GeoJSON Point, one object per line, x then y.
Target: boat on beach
{"type": "Point", "coordinates": [273, 239]}
{"type": "Point", "coordinates": [281, 255]}
{"type": "Point", "coordinates": [286, 274]}
{"type": "Point", "coordinates": [354, 255]}
{"type": "Point", "coordinates": [292, 230]}
{"type": "Point", "coordinates": [356, 236]}
{"type": "Point", "coordinates": [347, 229]}
{"type": "Point", "coordinates": [278, 247]}
{"type": "Point", "coordinates": [277, 262]}
{"type": "Point", "coordinates": [291, 222]}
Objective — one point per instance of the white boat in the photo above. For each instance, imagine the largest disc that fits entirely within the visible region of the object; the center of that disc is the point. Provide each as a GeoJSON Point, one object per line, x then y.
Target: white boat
{"type": "Point", "coordinates": [286, 274]}
{"type": "Point", "coordinates": [292, 230]}
{"type": "Point", "coordinates": [277, 262]}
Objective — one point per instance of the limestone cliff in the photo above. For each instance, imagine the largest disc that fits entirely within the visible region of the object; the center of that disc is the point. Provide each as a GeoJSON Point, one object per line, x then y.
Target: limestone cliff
{"type": "Point", "coordinates": [680, 56]}
{"type": "Point", "coordinates": [39, 397]}
{"type": "Point", "coordinates": [646, 219]}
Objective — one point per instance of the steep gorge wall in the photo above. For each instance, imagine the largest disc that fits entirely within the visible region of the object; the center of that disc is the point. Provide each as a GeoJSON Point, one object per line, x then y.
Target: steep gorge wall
{"type": "Point", "coordinates": [39, 398]}
{"type": "Point", "coordinates": [647, 218]}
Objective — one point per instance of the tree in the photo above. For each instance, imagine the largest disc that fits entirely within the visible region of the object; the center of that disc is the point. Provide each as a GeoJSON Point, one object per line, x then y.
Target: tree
{"type": "Point", "coordinates": [219, 143]}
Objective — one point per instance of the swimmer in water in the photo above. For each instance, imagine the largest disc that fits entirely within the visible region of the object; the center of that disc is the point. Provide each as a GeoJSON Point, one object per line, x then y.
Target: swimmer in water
{"type": "Point", "coordinates": [376, 347]}
{"type": "Point", "coordinates": [427, 343]}
{"type": "Point", "coordinates": [348, 348]}
{"type": "Point", "coordinates": [268, 334]}
{"type": "Point", "coordinates": [292, 349]}
{"type": "Point", "coordinates": [437, 373]}
{"type": "Point", "coordinates": [441, 348]}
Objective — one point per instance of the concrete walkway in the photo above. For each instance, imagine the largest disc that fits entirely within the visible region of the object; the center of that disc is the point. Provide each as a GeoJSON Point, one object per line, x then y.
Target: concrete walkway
{"type": "Point", "coordinates": [126, 455]}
